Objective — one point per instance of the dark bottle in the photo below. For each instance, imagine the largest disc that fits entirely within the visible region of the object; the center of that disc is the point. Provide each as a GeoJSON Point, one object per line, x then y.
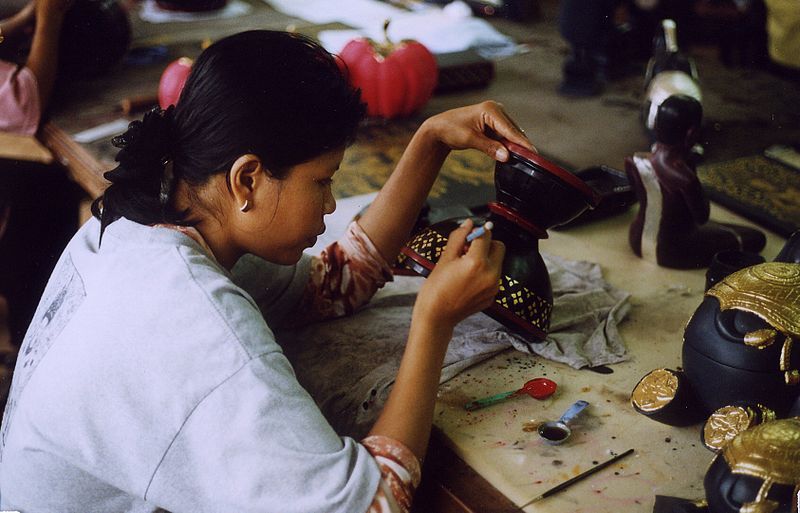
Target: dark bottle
{"type": "Point", "coordinates": [533, 195]}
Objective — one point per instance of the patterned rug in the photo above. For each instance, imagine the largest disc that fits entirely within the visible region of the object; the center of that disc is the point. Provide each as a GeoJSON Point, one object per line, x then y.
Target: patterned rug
{"type": "Point", "coordinates": [467, 177]}
{"type": "Point", "coordinates": [758, 188]}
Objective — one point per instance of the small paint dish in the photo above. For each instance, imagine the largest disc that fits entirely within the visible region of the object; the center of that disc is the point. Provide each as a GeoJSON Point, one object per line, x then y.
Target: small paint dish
{"type": "Point", "coordinates": [556, 432]}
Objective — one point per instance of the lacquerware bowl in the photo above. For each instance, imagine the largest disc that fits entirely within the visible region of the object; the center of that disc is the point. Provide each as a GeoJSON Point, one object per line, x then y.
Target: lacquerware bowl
{"type": "Point", "coordinates": [533, 194]}
{"type": "Point", "coordinates": [539, 190]}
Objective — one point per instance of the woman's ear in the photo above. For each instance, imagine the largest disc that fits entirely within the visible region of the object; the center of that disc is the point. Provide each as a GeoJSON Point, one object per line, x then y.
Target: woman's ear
{"type": "Point", "coordinates": [246, 175]}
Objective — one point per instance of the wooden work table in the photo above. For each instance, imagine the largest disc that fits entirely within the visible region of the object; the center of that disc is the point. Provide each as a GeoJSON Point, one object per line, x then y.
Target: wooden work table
{"type": "Point", "coordinates": [500, 442]}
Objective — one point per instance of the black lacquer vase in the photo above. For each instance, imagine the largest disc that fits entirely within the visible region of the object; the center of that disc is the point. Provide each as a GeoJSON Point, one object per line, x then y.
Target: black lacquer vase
{"type": "Point", "coordinates": [532, 195]}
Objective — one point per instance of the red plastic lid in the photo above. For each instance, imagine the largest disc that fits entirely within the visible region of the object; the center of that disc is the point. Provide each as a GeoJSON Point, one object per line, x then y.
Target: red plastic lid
{"type": "Point", "coordinates": [539, 388]}
{"type": "Point", "coordinates": [561, 173]}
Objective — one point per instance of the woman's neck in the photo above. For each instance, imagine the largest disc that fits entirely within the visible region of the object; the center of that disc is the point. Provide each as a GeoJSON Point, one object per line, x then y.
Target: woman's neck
{"type": "Point", "coordinates": [223, 249]}
{"type": "Point", "coordinates": [214, 234]}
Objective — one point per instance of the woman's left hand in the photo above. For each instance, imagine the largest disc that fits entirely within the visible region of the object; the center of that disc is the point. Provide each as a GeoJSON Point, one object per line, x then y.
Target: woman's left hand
{"type": "Point", "coordinates": [475, 126]}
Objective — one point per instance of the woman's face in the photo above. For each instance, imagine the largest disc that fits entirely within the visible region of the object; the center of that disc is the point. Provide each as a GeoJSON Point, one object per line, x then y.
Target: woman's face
{"type": "Point", "coordinates": [287, 214]}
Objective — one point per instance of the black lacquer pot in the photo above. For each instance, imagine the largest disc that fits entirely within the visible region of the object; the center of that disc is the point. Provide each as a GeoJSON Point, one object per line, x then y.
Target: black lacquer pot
{"type": "Point", "coordinates": [533, 195]}
{"type": "Point", "coordinates": [740, 360]}
{"type": "Point", "coordinates": [757, 471]}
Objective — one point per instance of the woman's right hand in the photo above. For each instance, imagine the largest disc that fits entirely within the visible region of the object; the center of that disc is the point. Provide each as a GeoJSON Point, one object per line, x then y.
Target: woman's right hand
{"type": "Point", "coordinates": [463, 282]}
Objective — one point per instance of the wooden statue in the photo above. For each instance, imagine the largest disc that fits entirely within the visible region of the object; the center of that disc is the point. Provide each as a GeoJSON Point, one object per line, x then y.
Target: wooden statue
{"type": "Point", "coordinates": [672, 227]}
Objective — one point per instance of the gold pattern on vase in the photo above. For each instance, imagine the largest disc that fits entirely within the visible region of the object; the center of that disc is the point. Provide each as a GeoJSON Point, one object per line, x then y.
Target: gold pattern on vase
{"type": "Point", "coordinates": [655, 390]}
{"type": "Point", "coordinates": [513, 295]}
{"type": "Point", "coordinates": [725, 423]}
{"type": "Point", "coordinates": [769, 451]}
{"type": "Point", "coordinates": [770, 291]}
{"type": "Point", "coordinates": [761, 338]}
{"type": "Point", "coordinates": [429, 244]}
{"type": "Point", "coordinates": [524, 303]}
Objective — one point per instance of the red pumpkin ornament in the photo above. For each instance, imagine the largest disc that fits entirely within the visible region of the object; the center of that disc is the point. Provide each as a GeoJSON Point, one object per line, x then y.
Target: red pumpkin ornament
{"type": "Point", "coordinates": [395, 79]}
{"type": "Point", "coordinates": [172, 81]}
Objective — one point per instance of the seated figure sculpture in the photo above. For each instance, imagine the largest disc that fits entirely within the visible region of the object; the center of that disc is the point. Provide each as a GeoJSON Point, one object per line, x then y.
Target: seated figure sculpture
{"type": "Point", "coordinates": [672, 227]}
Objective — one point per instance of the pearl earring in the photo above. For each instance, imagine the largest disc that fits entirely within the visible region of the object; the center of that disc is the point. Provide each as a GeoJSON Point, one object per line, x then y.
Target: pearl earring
{"type": "Point", "coordinates": [245, 207]}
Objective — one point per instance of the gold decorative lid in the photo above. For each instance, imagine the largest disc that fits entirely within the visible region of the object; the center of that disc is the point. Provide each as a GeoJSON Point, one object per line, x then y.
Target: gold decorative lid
{"type": "Point", "coordinates": [655, 390]}
{"type": "Point", "coordinates": [769, 451]}
{"type": "Point", "coordinates": [770, 291]}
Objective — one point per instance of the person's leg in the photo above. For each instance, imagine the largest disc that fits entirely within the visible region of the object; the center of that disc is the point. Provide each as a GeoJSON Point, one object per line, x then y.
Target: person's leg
{"type": "Point", "coordinates": [586, 25]}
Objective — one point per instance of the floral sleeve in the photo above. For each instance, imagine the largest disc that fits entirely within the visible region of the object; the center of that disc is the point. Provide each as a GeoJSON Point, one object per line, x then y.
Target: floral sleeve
{"type": "Point", "coordinates": [400, 475]}
{"type": "Point", "coordinates": [343, 278]}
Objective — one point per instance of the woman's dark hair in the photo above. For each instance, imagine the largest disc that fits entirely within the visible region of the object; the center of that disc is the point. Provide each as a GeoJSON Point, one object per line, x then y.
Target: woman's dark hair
{"type": "Point", "coordinates": [277, 95]}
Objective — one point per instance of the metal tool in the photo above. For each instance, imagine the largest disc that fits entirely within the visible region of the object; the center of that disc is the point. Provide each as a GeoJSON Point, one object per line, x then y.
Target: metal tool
{"type": "Point", "coordinates": [556, 432]}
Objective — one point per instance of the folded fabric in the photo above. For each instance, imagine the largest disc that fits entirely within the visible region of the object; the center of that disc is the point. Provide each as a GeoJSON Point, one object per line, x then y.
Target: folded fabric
{"type": "Point", "coordinates": [348, 365]}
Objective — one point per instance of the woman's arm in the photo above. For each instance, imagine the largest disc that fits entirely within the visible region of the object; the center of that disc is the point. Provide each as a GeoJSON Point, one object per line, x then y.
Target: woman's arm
{"type": "Point", "coordinates": [464, 281]}
{"type": "Point", "coordinates": [15, 26]}
{"type": "Point", "coordinates": [347, 273]}
{"type": "Point", "coordinates": [43, 59]}
{"type": "Point", "coordinates": [389, 219]}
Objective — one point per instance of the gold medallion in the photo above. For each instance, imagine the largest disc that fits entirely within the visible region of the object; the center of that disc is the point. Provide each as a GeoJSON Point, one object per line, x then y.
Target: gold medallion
{"type": "Point", "coordinates": [724, 424]}
{"type": "Point", "coordinates": [655, 390]}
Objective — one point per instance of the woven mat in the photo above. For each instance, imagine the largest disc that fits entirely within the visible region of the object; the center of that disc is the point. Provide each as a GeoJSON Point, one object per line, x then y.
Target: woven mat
{"type": "Point", "coordinates": [467, 177]}
{"type": "Point", "coordinates": [758, 188]}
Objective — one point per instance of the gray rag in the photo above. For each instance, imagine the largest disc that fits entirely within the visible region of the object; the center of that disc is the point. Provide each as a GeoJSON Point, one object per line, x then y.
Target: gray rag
{"type": "Point", "coordinates": [348, 365]}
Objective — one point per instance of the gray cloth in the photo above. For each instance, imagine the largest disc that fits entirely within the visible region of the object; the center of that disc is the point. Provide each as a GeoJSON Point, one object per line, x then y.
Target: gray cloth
{"type": "Point", "coordinates": [348, 365]}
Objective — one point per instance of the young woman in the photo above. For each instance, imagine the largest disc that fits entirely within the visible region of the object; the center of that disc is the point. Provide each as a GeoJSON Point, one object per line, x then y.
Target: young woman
{"type": "Point", "coordinates": [150, 377]}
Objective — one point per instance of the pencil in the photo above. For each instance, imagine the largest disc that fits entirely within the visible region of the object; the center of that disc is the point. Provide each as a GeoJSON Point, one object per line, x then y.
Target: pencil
{"type": "Point", "coordinates": [577, 478]}
{"type": "Point", "coordinates": [480, 231]}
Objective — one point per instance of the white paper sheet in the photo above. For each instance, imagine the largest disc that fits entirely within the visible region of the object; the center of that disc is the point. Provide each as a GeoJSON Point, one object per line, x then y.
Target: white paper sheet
{"type": "Point", "coordinates": [356, 13]}
{"type": "Point", "coordinates": [451, 29]}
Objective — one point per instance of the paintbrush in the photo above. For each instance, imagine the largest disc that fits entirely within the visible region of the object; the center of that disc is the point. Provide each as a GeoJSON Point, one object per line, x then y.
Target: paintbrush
{"type": "Point", "coordinates": [577, 478]}
{"type": "Point", "coordinates": [477, 232]}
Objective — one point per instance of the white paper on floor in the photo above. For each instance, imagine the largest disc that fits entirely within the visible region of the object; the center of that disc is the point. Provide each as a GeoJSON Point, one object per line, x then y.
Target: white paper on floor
{"type": "Point", "coordinates": [440, 30]}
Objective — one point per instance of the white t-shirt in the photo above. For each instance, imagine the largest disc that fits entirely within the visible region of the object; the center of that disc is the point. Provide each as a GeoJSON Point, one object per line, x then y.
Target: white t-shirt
{"type": "Point", "coordinates": [149, 379]}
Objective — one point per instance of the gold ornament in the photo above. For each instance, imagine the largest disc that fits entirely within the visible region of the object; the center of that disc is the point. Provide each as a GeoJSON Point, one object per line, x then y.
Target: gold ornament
{"type": "Point", "coordinates": [760, 338]}
{"type": "Point", "coordinates": [725, 423]}
{"type": "Point", "coordinates": [655, 390]}
{"type": "Point", "coordinates": [769, 451]}
{"type": "Point", "coordinates": [770, 291]}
